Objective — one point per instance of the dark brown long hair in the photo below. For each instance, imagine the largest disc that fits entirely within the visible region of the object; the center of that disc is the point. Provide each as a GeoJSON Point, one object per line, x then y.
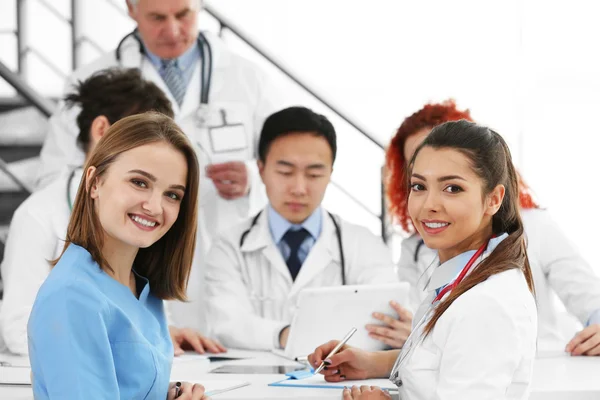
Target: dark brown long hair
{"type": "Point", "coordinates": [491, 160]}
{"type": "Point", "coordinates": [166, 263]}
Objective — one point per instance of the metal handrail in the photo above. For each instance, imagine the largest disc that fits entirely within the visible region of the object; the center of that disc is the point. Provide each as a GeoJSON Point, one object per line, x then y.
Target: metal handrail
{"type": "Point", "coordinates": [14, 80]}
{"type": "Point", "coordinates": [225, 23]}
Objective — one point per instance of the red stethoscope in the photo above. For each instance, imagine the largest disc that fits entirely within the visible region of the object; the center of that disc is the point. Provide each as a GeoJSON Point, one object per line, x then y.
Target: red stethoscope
{"type": "Point", "coordinates": [463, 273]}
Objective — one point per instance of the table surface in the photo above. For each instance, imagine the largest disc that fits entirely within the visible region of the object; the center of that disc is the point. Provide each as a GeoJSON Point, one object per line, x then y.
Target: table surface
{"type": "Point", "coordinates": [556, 376]}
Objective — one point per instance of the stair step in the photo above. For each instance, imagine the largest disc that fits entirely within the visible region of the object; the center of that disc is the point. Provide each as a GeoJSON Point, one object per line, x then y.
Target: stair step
{"type": "Point", "coordinates": [9, 201]}
{"type": "Point", "coordinates": [12, 153]}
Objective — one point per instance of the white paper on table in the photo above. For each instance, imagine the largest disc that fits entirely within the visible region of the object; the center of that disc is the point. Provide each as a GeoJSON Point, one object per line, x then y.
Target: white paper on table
{"type": "Point", "coordinates": [15, 376]}
{"type": "Point", "coordinates": [213, 388]}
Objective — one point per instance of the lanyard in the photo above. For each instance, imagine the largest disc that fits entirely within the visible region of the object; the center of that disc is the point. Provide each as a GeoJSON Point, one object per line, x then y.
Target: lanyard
{"type": "Point", "coordinates": [462, 274]}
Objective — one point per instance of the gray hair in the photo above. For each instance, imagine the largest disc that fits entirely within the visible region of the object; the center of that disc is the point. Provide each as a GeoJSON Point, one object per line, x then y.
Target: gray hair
{"type": "Point", "coordinates": [134, 3]}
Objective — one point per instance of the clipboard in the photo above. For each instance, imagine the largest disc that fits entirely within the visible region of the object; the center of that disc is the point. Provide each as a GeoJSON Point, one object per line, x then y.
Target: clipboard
{"type": "Point", "coordinates": [307, 379]}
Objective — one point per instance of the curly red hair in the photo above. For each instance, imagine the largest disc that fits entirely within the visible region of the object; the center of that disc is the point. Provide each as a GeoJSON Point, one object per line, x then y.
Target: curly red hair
{"type": "Point", "coordinates": [397, 189]}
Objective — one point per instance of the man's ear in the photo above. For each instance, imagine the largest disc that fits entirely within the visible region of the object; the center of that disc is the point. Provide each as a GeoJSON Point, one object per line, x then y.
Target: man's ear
{"type": "Point", "coordinates": [99, 126]}
{"type": "Point", "coordinates": [131, 10]}
{"type": "Point", "coordinates": [494, 200]}
{"type": "Point", "coordinates": [261, 168]}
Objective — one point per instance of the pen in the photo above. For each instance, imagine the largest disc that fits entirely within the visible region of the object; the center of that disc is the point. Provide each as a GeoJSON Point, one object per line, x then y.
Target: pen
{"type": "Point", "coordinates": [301, 359]}
{"type": "Point", "coordinates": [336, 349]}
{"type": "Point", "coordinates": [177, 389]}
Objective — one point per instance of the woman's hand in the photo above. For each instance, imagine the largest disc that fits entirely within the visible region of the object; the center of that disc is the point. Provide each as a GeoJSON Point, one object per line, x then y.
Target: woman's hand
{"type": "Point", "coordinates": [394, 332]}
{"type": "Point", "coordinates": [187, 391]}
{"type": "Point", "coordinates": [365, 393]}
{"type": "Point", "coordinates": [348, 363]}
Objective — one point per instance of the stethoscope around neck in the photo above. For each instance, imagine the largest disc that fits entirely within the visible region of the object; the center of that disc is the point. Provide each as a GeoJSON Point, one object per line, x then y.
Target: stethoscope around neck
{"type": "Point", "coordinates": [338, 234]}
{"type": "Point", "coordinates": [205, 58]}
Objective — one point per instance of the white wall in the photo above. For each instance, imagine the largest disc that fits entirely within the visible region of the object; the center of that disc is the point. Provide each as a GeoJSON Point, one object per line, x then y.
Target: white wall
{"type": "Point", "coordinates": [528, 68]}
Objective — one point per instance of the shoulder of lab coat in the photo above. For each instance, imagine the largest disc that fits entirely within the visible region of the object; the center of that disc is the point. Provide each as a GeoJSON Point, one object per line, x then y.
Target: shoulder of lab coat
{"type": "Point", "coordinates": [367, 258]}
{"type": "Point", "coordinates": [36, 231]}
{"type": "Point", "coordinates": [486, 323]}
{"type": "Point", "coordinates": [565, 270]}
{"type": "Point", "coordinates": [231, 317]}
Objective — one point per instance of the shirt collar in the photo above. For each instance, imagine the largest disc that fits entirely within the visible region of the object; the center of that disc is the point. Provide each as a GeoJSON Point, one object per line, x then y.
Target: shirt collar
{"type": "Point", "coordinates": [184, 62]}
{"type": "Point", "coordinates": [279, 225]}
{"type": "Point", "coordinates": [448, 271]}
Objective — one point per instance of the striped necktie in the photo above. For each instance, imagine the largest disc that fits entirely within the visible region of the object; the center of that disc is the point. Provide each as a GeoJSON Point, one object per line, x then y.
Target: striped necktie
{"type": "Point", "coordinates": [173, 77]}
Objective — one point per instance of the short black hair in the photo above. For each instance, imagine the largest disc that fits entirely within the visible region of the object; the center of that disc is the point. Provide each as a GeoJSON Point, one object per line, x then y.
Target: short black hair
{"type": "Point", "coordinates": [115, 93]}
{"type": "Point", "coordinates": [294, 120]}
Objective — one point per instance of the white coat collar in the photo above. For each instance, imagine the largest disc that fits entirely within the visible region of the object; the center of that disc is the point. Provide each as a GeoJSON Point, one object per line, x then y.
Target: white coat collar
{"type": "Point", "coordinates": [323, 253]}
{"type": "Point", "coordinates": [448, 271]}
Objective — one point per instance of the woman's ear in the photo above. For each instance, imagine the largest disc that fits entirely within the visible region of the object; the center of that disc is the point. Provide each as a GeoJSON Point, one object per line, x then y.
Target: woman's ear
{"type": "Point", "coordinates": [494, 200]}
{"type": "Point", "coordinates": [91, 182]}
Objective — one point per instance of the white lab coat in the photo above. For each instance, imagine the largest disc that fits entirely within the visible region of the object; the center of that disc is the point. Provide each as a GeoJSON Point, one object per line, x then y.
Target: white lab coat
{"type": "Point", "coordinates": [557, 267]}
{"type": "Point", "coordinates": [482, 347]}
{"type": "Point", "coordinates": [36, 235]}
{"type": "Point", "coordinates": [239, 88]}
{"type": "Point", "coordinates": [250, 290]}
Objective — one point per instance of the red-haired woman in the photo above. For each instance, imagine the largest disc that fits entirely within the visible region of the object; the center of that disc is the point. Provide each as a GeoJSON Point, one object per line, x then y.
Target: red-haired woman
{"type": "Point", "coordinates": [557, 266]}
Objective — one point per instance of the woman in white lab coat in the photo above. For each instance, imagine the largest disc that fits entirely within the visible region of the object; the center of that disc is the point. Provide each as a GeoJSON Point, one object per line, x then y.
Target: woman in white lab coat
{"type": "Point", "coordinates": [557, 266]}
{"type": "Point", "coordinates": [475, 335]}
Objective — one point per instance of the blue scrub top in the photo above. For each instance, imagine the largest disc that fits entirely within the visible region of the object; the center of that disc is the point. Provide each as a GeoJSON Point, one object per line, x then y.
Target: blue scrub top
{"type": "Point", "coordinates": [91, 338]}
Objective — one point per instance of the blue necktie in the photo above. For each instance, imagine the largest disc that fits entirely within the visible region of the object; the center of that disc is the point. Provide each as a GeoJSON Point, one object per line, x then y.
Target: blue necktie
{"type": "Point", "coordinates": [294, 239]}
{"type": "Point", "coordinates": [173, 77]}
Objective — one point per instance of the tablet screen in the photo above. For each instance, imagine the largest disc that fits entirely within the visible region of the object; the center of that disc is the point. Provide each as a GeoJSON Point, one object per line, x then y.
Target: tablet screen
{"type": "Point", "coordinates": [256, 369]}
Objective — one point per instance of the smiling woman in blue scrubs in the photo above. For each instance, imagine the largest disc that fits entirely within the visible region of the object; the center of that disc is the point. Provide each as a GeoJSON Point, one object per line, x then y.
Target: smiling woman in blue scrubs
{"type": "Point", "coordinates": [98, 328]}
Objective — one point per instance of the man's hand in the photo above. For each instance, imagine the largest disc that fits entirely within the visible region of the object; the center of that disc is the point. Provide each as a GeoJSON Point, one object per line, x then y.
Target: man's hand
{"type": "Point", "coordinates": [230, 179]}
{"type": "Point", "coordinates": [586, 342]}
{"type": "Point", "coordinates": [394, 332]}
{"type": "Point", "coordinates": [188, 339]}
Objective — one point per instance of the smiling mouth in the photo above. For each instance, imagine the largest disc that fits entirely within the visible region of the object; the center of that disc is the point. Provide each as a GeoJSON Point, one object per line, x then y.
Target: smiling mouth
{"type": "Point", "coordinates": [142, 222]}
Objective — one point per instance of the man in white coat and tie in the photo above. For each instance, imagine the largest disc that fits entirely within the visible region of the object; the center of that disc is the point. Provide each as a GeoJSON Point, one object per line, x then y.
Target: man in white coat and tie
{"type": "Point", "coordinates": [220, 101]}
{"type": "Point", "coordinates": [256, 269]}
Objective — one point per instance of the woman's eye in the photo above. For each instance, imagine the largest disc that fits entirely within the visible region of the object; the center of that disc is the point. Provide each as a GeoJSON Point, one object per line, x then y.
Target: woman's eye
{"type": "Point", "coordinates": [417, 187]}
{"type": "Point", "coordinates": [173, 196]}
{"type": "Point", "coordinates": [139, 183]}
{"type": "Point", "coordinates": [453, 189]}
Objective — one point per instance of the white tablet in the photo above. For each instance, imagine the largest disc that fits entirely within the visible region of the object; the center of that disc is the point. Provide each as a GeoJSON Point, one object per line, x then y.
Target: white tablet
{"type": "Point", "coordinates": [328, 313]}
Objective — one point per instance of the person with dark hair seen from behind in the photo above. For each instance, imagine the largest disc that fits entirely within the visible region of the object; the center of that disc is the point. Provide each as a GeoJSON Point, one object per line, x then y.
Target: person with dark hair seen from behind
{"type": "Point", "coordinates": [40, 223]}
{"type": "Point", "coordinates": [256, 269]}
{"type": "Point", "coordinates": [97, 327]}
{"type": "Point", "coordinates": [557, 266]}
{"type": "Point", "coordinates": [464, 202]}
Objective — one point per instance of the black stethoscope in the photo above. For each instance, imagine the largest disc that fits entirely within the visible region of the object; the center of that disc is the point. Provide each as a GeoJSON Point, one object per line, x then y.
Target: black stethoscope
{"type": "Point", "coordinates": [205, 58]}
{"type": "Point", "coordinates": [69, 182]}
{"type": "Point", "coordinates": [338, 234]}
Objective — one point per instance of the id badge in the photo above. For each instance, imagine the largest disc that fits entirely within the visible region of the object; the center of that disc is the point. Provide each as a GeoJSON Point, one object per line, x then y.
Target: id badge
{"type": "Point", "coordinates": [227, 138]}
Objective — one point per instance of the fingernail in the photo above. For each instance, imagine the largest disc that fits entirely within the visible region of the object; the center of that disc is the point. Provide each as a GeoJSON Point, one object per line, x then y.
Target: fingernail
{"type": "Point", "coordinates": [337, 371]}
{"type": "Point", "coordinates": [324, 368]}
{"type": "Point", "coordinates": [327, 362]}
{"type": "Point", "coordinates": [342, 377]}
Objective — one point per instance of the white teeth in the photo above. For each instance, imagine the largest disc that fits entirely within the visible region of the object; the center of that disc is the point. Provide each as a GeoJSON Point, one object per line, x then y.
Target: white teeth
{"type": "Point", "coordinates": [435, 225]}
{"type": "Point", "coordinates": [142, 221]}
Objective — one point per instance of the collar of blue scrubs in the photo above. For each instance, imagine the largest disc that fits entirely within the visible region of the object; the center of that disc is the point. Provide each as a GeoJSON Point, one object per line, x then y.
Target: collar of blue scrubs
{"type": "Point", "coordinates": [184, 62]}
{"type": "Point", "coordinates": [279, 225]}
{"type": "Point", "coordinates": [448, 271]}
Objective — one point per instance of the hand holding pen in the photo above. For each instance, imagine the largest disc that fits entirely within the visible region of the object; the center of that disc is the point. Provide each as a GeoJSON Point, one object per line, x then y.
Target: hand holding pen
{"type": "Point", "coordinates": [186, 391]}
{"type": "Point", "coordinates": [345, 363]}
